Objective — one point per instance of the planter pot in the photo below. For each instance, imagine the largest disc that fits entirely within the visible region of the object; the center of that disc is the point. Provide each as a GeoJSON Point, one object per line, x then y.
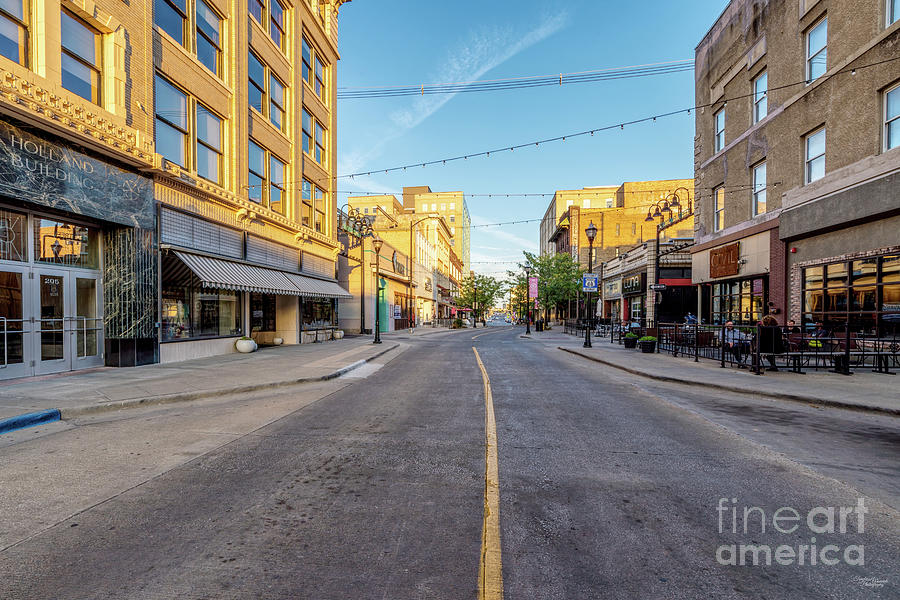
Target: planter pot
{"type": "Point", "coordinates": [630, 342]}
{"type": "Point", "coordinates": [278, 341]}
{"type": "Point", "coordinates": [338, 334]}
{"type": "Point", "coordinates": [648, 347]}
{"type": "Point", "coordinates": [245, 346]}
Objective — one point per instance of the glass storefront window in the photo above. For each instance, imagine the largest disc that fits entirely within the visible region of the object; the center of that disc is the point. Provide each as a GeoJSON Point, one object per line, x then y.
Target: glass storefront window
{"type": "Point", "coordinates": [262, 312]}
{"type": "Point", "coordinates": [190, 311]}
{"type": "Point", "coordinates": [13, 245]}
{"type": "Point", "coordinates": [61, 243]}
{"type": "Point", "coordinates": [318, 314]}
{"type": "Point", "coordinates": [864, 293]}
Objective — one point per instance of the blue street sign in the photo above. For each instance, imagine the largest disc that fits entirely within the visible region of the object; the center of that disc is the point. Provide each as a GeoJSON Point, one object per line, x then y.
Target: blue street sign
{"type": "Point", "coordinates": [589, 282]}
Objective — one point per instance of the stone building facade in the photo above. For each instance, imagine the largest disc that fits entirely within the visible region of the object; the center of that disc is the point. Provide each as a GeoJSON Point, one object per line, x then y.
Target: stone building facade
{"type": "Point", "coordinates": [797, 153]}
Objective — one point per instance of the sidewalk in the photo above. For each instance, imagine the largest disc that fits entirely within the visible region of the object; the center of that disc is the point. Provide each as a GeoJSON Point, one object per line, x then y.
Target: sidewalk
{"type": "Point", "coordinates": [864, 390]}
{"type": "Point", "coordinates": [97, 390]}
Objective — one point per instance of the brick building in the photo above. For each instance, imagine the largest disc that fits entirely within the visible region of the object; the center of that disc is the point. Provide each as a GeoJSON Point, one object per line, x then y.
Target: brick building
{"type": "Point", "coordinates": [797, 163]}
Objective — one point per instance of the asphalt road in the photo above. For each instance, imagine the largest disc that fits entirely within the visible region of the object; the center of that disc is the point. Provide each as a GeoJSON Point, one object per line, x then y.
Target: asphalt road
{"type": "Point", "coordinates": [372, 486]}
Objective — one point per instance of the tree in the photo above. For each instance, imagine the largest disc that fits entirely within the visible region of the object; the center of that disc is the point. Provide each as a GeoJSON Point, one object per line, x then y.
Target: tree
{"type": "Point", "coordinates": [559, 278]}
{"type": "Point", "coordinates": [489, 291]}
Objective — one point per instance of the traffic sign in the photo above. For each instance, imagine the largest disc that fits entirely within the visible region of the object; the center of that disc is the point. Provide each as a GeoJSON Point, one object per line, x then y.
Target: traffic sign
{"type": "Point", "coordinates": [589, 282]}
{"type": "Point", "coordinates": [657, 286]}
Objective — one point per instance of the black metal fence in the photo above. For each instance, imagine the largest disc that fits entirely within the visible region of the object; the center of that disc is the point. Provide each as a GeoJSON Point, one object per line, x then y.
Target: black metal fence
{"type": "Point", "coordinates": [776, 348]}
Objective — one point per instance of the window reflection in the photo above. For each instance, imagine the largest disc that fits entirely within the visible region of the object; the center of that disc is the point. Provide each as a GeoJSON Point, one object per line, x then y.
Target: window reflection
{"type": "Point", "coordinates": [60, 243]}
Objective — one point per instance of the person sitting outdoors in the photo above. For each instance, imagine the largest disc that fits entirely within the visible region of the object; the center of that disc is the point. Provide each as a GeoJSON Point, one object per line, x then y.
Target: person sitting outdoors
{"type": "Point", "coordinates": [770, 341]}
{"type": "Point", "coordinates": [735, 341]}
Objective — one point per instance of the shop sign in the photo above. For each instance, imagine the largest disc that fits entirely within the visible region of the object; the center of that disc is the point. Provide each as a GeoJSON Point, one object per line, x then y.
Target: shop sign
{"type": "Point", "coordinates": [723, 262]}
{"type": "Point", "coordinates": [44, 172]}
{"type": "Point", "coordinates": [633, 284]}
{"type": "Point", "coordinates": [612, 288]}
{"type": "Point", "coordinates": [396, 311]}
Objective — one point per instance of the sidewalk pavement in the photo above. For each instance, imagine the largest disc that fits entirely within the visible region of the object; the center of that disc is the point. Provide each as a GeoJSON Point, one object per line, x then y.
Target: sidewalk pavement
{"type": "Point", "coordinates": [106, 388]}
{"type": "Point", "coordinates": [863, 391]}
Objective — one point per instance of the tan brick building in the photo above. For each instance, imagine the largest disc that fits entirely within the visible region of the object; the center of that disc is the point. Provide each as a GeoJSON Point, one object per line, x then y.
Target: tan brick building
{"type": "Point", "coordinates": [796, 163]}
{"type": "Point", "coordinates": [166, 177]}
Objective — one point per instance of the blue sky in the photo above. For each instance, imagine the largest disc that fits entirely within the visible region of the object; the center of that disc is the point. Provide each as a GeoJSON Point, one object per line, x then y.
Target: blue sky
{"type": "Point", "coordinates": [413, 42]}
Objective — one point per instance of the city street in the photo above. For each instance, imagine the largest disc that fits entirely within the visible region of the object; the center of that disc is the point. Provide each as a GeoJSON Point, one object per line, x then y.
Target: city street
{"type": "Point", "coordinates": [372, 486]}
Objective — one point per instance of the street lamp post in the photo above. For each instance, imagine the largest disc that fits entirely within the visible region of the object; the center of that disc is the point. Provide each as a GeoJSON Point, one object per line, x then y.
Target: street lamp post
{"type": "Point", "coordinates": [528, 300]}
{"type": "Point", "coordinates": [591, 233]}
{"type": "Point", "coordinates": [377, 243]}
{"type": "Point", "coordinates": [663, 207]}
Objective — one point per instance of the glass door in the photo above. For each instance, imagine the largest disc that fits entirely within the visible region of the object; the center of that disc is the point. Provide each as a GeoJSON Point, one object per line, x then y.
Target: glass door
{"type": "Point", "coordinates": [84, 323]}
{"type": "Point", "coordinates": [52, 352]}
{"type": "Point", "coordinates": [15, 328]}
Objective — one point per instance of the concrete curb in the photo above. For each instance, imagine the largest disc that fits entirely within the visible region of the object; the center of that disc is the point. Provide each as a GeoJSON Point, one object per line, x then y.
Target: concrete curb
{"type": "Point", "coordinates": [29, 420]}
{"type": "Point", "coordinates": [739, 389]}
{"type": "Point", "coordinates": [9, 424]}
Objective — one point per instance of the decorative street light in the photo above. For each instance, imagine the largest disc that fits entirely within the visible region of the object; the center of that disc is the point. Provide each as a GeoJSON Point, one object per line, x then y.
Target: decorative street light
{"type": "Point", "coordinates": [668, 202]}
{"type": "Point", "coordinates": [528, 300]}
{"type": "Point", "coordinates": [377, 243]}
{"type": "Point", "coordinates": [591, 233]}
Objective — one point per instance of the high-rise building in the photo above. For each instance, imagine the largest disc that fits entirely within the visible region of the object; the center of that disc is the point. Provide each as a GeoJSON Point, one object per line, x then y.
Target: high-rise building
{"type": "Point", "coordinates": [450, 205]}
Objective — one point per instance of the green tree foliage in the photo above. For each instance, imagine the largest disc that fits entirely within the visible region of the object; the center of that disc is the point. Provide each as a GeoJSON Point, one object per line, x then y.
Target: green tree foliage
{"type": "Point", "coordinates": [559, 278]}
{"type": "Point", "coordinates": [490, 290]}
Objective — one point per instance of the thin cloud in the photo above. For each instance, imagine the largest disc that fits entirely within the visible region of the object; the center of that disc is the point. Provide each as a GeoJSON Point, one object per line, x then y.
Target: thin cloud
{"type": "Point", "coordinates": [500, 235]}
{"type": "Point", "coordinates": [483, 51]}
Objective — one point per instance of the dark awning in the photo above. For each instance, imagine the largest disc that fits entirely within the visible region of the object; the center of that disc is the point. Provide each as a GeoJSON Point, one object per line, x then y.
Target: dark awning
{"type": "Point", "coordinates": [229, 275]}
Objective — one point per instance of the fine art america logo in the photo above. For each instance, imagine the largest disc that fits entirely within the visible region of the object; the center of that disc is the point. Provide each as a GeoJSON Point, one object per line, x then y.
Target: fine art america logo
{"type": "Point", "coordinates": [828, 521]}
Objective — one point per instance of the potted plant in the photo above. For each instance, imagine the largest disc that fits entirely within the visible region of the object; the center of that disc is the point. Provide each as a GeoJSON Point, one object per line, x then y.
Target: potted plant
{"type": "Point", "coordinates": [245, 345]}
{"type": "Point", "coordinates": [648, 344]}
{"type": "Point", "coordinates": [630, 340]}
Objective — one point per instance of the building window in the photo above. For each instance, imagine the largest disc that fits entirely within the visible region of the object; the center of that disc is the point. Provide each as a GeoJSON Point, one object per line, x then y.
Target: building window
{"type": "Point", "coordinates": [266, 186]}
{"type": "Point", "coordinates": [307, 60]}
{"type": "Point", "coordinates": [13, 31]}
{"type": "Point", "coordinates": [320, 78]}
{"type": "Point", "coordinates": [171, 122]}
{"type": "Point", "coordinates": [171, 17]}
{"type": "Point", "coordinates": [80, 58]}
{"type": "Point", "coordinates": [257, 8]}
{"type": "Point", "coordinates": [865, 292]}
{"type": "Point", "coordinates": [277, 185]}
{"type": "Point", "coordinates": [209, 144]}
{"type": "Point", "coordinates": [320, 144]}
{"type": "Point", "coordinates": [320, 210]}
{"type": "Point", "coordinates": [306, 210]}
{"type": "Point", "coordinates": [609, 203]}
{"type": "Point", "coordinates": [743, 302]}
{"type": "Point", "coordinates": [893, 11]}
{"type": "Point", "coordinates": [453, 206]}
{"type": "Point", "coordinates": [759, 189]}
{"type": "Point", "coordinates": [256, 90]}
{"type": "Point", "coordinates": [276, 103]}
{"type": "Point", "coordinates": [209, 28]}
{"type": "Point", "coordinates": [892, 118]}
{"type": "Point", "coordinates": [817, 51]}
{"type": "Point", "coordinates": [190, 311]}
{"type": "Point", "coordinates": [453, 218]}
{"type": "Point", "coordinates": [618, 229]}
{"type": "Point", "coordinates": [307, 132]}
{"type": "Point", "coordinates": [257, 172]}
{"type": "Point", "coordinates": [720, 129]}
{"type": "Point", "coordinates": [760, 97]}
{"type": "Point", "coordinates": [634, 229]}
{"type": "Point", "coordinates": [276, 23]}
{"type": "Point", "coordinates": [815, 156]}
{"type": "Point", "coordinates": [719, 209]}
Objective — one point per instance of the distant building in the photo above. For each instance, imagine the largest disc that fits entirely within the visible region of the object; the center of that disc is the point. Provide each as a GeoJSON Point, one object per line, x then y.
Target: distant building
{"type": "Point", "coordinates": [796, 162]}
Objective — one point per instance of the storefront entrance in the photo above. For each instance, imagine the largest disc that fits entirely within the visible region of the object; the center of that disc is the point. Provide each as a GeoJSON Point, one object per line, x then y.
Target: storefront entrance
{"type": "Point", "coordinates": [50, 320]}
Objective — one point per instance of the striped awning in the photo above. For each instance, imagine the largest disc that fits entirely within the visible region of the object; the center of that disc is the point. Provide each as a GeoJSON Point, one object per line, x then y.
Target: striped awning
{"type": "Point", "coordinates": [318, 288]}
{"type": "Point", "coordinates": [229, 275]}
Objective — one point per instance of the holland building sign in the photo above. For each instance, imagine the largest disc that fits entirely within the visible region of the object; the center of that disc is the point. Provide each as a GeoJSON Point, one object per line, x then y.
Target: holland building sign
{"type": "Point", "coordinates": [44, 172]}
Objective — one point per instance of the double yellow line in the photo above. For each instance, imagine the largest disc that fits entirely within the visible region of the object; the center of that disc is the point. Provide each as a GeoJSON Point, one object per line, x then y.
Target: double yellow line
{"type": "Point", "coordinates": [490, 572]}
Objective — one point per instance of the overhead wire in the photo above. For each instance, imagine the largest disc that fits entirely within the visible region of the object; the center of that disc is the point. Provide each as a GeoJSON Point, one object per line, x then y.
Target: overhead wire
{"type": "Point", "coordinates": [620, 125]}
{"type": "Point", "coordinates": [559, 79]}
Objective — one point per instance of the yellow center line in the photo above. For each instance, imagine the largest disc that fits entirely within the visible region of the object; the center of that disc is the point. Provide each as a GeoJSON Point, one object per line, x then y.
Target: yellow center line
{"type": "Point", "coordinates": [490, 572]}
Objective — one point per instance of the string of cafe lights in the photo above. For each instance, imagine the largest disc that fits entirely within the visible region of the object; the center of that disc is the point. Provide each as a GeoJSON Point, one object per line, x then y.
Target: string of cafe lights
{"type": "Point", "coordinates": [620, 125]}
{"type": "Point", "coordinates": [516, 83]}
